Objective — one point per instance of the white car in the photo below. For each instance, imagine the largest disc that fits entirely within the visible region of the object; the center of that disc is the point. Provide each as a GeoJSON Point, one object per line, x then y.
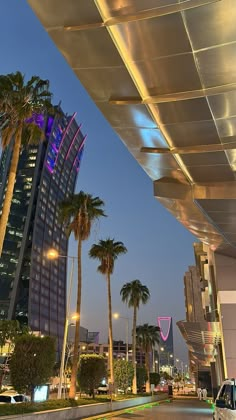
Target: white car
{"type": "Point", "coordinates": [103, 389]}
{"type": "Point", "coordinates": [225, 403]}
{"type": "Point", "coordinates": [12, 397]}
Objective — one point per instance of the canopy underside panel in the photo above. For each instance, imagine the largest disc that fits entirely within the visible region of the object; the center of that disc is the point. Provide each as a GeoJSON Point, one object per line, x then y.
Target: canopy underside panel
{"type": "Point", "coordinates": [163, 73]}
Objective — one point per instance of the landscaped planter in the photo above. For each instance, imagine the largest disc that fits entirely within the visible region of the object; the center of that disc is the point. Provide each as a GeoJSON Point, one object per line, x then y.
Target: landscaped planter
{"type": "Point", "coordinates": [83, 411]}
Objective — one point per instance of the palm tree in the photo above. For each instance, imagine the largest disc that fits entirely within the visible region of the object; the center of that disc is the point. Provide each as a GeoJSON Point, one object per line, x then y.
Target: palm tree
{"type": "Point", "coordinates": [133, 294]}
{"type": "Point", "coordinates": [107, 251]}
{"type": "Point", "coordinates": [78, 212]}
{"type": "Point", "coordinates": [20, 103]}
{"type": "Point", "coordinates": [147, 337]}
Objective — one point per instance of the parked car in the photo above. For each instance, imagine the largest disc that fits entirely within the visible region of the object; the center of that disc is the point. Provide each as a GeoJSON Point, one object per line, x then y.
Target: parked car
{"type": "Point", "coordinates": [12, 397]}
{"type": "Point", "coordinates": [225, 403]}
{"type": "Point", "coordinates": [103, 389]}
{"type": "Point", "coordinates": [122, 391]}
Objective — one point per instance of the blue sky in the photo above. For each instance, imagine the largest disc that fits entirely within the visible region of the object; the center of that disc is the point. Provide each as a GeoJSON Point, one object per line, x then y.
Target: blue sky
{"type": "Point", "coordinates": [159, 248]}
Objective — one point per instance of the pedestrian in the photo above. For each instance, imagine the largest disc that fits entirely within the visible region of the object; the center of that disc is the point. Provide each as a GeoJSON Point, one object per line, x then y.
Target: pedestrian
{"type": "Point", "coordinates": [204, 394]}
{"type": "Point", "coordinates": [199, 393]}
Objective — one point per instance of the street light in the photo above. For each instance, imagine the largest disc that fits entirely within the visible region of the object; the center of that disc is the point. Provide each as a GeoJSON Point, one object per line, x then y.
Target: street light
{"type": "Point", "coordinates": [117, 316]}
{"type": "Point", "coordinates": [53, 254]}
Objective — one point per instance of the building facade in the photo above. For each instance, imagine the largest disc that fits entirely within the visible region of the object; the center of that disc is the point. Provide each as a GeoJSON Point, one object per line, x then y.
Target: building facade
{"type": "Point", "coordinates": [166, 347]}
{"type": "Point", "coordinates": [33, 288]}
{"type": "Point", "coordinates": [119, 350]}
{"type": "Point", "coordinates": [202, 327]}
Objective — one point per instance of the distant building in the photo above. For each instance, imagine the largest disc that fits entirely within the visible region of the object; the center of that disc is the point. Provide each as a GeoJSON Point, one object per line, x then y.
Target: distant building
{"type": "Point", "coordinates": [93, 337]}
{"type": "Point", "coordinates": [119, 348]}
{"type": "Point", "coordinates": [32, 288]}
{"type": "Point", "coordinates": [166, 347]}
{"type": "Point", "coordinates": [86, 337]}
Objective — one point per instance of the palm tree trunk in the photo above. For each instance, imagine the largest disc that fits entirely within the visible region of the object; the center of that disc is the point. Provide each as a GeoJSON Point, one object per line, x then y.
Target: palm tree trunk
{"type": "Point", "coordinates": [110, 329]}
{"type": "Point", "coordinates": [10, 186]}
{"type": "Point", "coordinates": [32, 394]}
{"type": "Point", "coordinates": [134, 350]}
{"type": "Point", "coordinates": [74, 368]}
{"type": "Point", "coordinates": [147, 364]}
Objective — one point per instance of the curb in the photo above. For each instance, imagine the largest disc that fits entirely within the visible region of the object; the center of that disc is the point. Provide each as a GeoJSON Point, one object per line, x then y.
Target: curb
{"type": "Point", "coordinates": [127, 410]}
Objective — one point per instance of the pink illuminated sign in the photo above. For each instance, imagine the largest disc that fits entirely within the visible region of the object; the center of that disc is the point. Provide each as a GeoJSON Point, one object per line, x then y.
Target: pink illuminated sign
{"type": "Point", "coordinates": [72, 141]}
{"type": "Point", "coordinates": [160, 320]}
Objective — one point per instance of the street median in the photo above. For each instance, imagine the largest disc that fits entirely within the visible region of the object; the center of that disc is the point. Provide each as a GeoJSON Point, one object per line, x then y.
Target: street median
{"type": "Point", "coordinates": [87, 411]}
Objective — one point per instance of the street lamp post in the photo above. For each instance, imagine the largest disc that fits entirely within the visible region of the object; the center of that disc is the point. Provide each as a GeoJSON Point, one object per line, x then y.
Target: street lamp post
{"type": "Point", "coordinates": [53, 254]}
{"type": "Point", "coordinates": [117, 316]}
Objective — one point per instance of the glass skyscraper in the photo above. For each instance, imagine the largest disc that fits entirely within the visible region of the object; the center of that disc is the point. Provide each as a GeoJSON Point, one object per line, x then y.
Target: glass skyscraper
{"type": "Point", "coordinates": [33, 288]}
{"type": "Point", "coordinates": [166, 341]}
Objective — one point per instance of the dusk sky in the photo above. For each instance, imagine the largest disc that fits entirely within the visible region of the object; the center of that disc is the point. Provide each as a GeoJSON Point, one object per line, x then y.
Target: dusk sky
{"type": "Point", "coordinates": [159, 248]}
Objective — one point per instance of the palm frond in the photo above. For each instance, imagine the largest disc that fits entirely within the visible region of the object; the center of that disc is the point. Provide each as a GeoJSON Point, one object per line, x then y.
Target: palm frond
{"type": "Point", "coordinates": [80, 211]}
{"type": "Point", "coordinates": [22, 98]}
{"type": "Point", "coordinates": [134, 293]}
{"type": "Point", "coordinates": [31, 134]}
{"type": "Point", "coordinates": [107, 251]}
{"type": "Point", "coordinates": [147, 336]}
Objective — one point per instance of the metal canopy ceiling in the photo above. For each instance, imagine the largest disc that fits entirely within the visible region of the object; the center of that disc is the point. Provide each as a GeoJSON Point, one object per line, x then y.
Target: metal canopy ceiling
{"type": "Point", "coordinates": [163, 73]}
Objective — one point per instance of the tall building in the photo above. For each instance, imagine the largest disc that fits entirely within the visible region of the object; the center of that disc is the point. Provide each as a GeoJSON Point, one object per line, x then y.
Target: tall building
{"type": "Point", "coordinates": [166, 354]}
{"type": "Point", "coordinates": [32, 288]}
{"type": "Point", "coordinates": [201, 330]}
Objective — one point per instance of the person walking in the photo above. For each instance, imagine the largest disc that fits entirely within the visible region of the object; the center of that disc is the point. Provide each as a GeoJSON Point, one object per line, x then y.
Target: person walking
{"type": "Point", "coordinates": [204, 394]}
{"type": "Point", "coordinates": [199, 393]}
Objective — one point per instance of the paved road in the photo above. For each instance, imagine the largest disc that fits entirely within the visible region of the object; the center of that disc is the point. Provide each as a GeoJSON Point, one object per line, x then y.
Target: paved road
{"type": "Point", "coordinates": [180, 409]}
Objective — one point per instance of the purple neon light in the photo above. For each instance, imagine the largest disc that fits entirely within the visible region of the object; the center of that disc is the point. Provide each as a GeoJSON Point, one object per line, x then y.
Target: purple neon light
{"type": "Point", "coordinates": [73, 140]}
{"type": "Point", "coordinates": [49, 126]}
{"type": "Point", "coordinates": [78, 156]}
{"type": "Point", "coordinates": [164, 318]}
{"type": "Point", "coordinates": [37, 119]}
{"type": "Point", "coordinates": [49, 168]}
{"type": "Point", "coordinates": [82, 144]}
{"type": "Point", "coordinates": [56, 144]}
{"type": "Point", "coordinates": [64, 135]}
{"type": "Point", "coordinates": [53, 150]}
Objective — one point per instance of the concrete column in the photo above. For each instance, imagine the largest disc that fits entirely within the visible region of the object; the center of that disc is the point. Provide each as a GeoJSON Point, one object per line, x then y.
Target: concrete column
{"type": "Point", "coordinates": [220, 365]}
{"type": "Point", "coordinates": [225, 276]}
{"type": "Point", "coordinates": [214, 382]}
